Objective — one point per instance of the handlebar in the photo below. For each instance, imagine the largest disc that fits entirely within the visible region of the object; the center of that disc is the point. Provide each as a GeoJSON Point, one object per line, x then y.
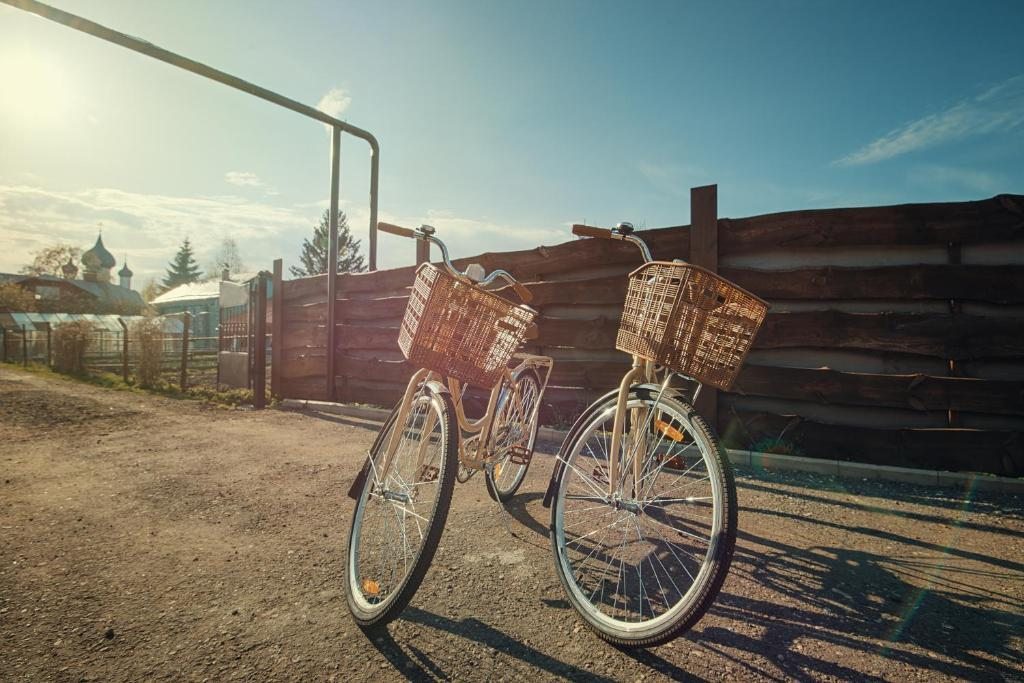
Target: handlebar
{"type": "Point", "coordinates": [588, 231]}
{"type": "Point", "coordinates": [395, 229]}
{"type": "Point", "coordinates": [621, 232]}
{"type": "Point", "coordinates": [426, 232]}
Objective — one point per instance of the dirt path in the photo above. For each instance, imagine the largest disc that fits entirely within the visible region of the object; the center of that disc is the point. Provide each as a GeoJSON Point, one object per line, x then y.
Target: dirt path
{"type": "Point", "coordinates": [150, 539]}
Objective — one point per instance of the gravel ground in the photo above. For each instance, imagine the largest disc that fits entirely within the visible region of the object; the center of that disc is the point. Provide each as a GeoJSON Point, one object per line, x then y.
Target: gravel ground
{"type": "Point", "coordinates": [145, 538]}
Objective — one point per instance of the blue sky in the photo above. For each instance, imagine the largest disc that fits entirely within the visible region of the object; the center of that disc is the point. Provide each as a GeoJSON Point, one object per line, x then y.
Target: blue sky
{"type": "Point", "coordinates": [499, 122]}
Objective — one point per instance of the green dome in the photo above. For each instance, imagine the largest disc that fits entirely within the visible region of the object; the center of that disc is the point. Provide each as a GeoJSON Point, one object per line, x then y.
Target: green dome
{"type": "Point", "coordinates": [98, 256]}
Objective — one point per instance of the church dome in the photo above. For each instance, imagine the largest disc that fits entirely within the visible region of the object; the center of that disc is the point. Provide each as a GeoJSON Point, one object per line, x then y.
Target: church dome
{"type": "Point", "coordinates": [125, 271]}
{"type": "Point", "coordinates": [98, 256]}
{"type": "Point", "coordinates": [69, 269]}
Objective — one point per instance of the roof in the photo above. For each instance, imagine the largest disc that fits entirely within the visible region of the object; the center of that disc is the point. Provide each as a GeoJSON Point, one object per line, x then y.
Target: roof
{"type": "Point", "coordinates": [105, 291]}
{"type": "Point", "coordinates": [193, 291]}
{"type": "Point", "coordinates": [197, 291]}
{"type": "Point", "coordinates": [34, 321]}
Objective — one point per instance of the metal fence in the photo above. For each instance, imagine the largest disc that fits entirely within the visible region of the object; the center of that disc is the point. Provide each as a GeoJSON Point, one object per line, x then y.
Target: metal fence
{"type": "Point", "coordinates": [185, 361]}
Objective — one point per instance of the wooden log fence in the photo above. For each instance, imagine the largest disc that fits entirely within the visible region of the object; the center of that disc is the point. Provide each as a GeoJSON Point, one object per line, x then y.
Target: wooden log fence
{"type": "Point", "coordinates": [879, 314]}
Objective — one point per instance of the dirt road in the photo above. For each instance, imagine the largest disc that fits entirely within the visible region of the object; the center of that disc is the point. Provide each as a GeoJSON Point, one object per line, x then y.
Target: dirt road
{"type": "Point", "coordinates": [145, 538]}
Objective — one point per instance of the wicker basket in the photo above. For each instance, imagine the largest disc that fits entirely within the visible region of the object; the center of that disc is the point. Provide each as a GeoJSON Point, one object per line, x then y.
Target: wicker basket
{"type": "Point", "coordinates": [691, 320]}
{"type": "Point", "coordinates": [459, 330]}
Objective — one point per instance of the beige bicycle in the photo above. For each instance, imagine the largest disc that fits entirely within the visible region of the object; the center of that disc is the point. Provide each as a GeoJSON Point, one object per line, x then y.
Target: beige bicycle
{"type": "Point", "coordinates": [643, 503]}
{"type": "Point", "coordinates": [458, 334]}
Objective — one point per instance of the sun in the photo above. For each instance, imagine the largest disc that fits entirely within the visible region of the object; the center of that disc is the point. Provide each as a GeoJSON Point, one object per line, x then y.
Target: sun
{"type": "Point", "coordinates": [35, 91]}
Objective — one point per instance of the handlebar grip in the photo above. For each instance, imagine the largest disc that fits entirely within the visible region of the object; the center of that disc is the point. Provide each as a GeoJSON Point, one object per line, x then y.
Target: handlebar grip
{"type": "Point", "coordinates": [395, 229]}
{"type": "Point", "coordinates": [525, 295]}
{"type": "Point", "coordinates": [588, 231]}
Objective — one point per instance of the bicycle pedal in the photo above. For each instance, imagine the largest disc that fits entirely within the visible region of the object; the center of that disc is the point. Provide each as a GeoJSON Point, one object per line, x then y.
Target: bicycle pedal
{"type": "Point", "coordinates": [520, 455]}
{"type": "Point", "coordinates": [429, 473]}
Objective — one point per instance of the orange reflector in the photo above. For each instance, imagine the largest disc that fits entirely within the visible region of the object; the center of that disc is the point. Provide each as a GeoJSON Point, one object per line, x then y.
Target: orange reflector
{"type": "Point", "coordinates": [371, 587]}
{"type": "Point", "coordinates": [669, 431]}
{"type": "Point", "coordinates": [497, 470]}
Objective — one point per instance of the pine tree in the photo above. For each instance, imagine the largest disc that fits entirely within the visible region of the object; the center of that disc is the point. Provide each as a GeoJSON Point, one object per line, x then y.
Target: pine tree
{"type": "Point", "coordinates": [183, 268]}
{"type": "Point", "coordinates": [314, 253]}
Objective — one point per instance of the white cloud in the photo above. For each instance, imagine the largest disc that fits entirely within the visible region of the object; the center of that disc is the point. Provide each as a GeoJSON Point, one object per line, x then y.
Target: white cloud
{"type": "Point", "coordinates": [998, 109]}
{"type": "Point", "coordinates": [146, 228]}
{"type": "Point", "coordinates": [249, 179]}
{"type": "Point", "coordinates": [243, 179]}
{"type": "Point", "coordinates": [334, 103]}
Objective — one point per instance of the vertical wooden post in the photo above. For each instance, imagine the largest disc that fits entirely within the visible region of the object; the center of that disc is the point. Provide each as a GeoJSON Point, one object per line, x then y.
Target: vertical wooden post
{"type": "Point", "coordinates": [24, 346]}
{"type": "Point", "coordinates": [954, 252]}
{"type": "Point", "coordinates": [704, 253]}
{"type": "Point", "coordinates": [49, 345]}
{"type": "Point", "coordinates": [3, 338]}
{"type": "Point", "coordinates": [276, 329]}
{"type": "Point", "coordinates": [186, 319]}
{"type": "Point", "coordinates": [259, 380]}
{"type": "Point", "coordinates": [124, 350]}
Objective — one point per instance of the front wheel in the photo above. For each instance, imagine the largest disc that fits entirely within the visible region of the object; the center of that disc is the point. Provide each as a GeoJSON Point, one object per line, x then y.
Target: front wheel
{"type": "Point", "coordinates": [642, 563]}
{"type": "Point", "coordinates": [400, 513]}
{"type": "Point", "coordinates": [514, 435]}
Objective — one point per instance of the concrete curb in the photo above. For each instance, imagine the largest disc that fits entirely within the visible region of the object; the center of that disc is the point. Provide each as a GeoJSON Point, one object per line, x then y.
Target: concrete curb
{"type": "Point", "coordinates": [751, 459]}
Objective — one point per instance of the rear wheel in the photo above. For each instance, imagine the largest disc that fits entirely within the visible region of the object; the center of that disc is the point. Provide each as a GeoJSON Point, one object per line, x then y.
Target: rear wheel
{"type": "Point", "coordinates": [641, 564]}
{"type": "Point", "coordinates": [401, 513]}
{"type": "Point", "coordinates": [514, 435]}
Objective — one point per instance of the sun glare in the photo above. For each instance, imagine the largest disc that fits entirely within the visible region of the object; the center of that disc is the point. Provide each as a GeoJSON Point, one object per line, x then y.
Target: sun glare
{"type": "Point", "coordinates": [34, 90]}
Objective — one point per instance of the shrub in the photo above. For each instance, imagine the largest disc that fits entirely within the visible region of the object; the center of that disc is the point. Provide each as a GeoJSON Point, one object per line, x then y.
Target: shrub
{"type": "Point", "coordinates": [70, 342]}
{"type": "Point", "coordinates": [148, 338]}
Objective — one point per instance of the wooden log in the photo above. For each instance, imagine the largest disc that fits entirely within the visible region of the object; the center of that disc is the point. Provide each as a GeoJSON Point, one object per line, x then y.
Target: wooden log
{"type": "Point", "coordinates": [960, 337]}
{"type": "Point", "coordinates": [917, 392]}
{"type": "Point", "coordinates": [990, 284]}
{"type": "Point", "coordinates": [303, 335]}
{"type": "Point", "coordinates": [991, 220]}
{"type": "Point", "coordinates": [367, 337]}
{"type": "Point", "coordinates": [374, 369]}
{"type": "Point", "coordinates": [305, 313]}
{"type": "Point", "coordinates": [304, 288]}
{"type": "Point", "coordinates": [360, 310]}
{"type": "Point", "coordinates": [314, 389]}
{"type": "Point", "coordinates": [585, 334]}
{"type": "Point", "coordinates": [995, 452]}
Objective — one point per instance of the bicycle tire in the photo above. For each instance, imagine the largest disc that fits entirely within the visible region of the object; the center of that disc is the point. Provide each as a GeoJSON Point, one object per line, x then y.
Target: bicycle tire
{"type": "Point", "coordinates": [510, 475]}
{"type": "Point", "coordinates": [372, 601]}
{"type": "Point", "coordinates": [578, 573]}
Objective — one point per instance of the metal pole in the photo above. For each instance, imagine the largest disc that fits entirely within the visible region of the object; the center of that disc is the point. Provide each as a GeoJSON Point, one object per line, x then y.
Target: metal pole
{"type": "Point", "coordinates": [374, 173]}
{"type": "Point", "coordinates": [124, 350]}
{"type": "Point", "coordinates": [3, 339]}
{"type": "Point", "coordinates": [259, 382]}
{"type": "Point", "coordinates": [49, 345]}
{"type": "Point", "coordinates": [185, 319]}
{"type": "Point", "coordinates": [24, 346]}
{"type": "Point", "coordinates": [332, 261]}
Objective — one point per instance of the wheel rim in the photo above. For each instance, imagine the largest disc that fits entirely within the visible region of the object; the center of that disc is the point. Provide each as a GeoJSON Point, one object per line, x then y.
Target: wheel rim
{"type": "Point", "coordinates": [514, 426]}
{"type": "Point", "coordinates": [394, 513]}
{"type": "Point", "coordinates": [636, 560]}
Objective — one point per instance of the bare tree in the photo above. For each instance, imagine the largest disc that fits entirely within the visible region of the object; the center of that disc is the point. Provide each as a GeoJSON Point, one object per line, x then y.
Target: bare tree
{"type": "Point", "coordinates": [48, 260]}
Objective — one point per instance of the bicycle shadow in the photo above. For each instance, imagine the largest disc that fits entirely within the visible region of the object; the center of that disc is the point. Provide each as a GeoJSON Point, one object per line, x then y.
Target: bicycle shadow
{"type": "Point", "coordinates": [417, 665]}
{"type": "Point", "coordinates": [918, 605]}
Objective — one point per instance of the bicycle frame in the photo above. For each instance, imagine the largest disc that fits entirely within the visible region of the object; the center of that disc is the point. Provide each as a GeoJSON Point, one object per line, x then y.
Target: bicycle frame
{"type": "Point", "coordinates": [480, 427]}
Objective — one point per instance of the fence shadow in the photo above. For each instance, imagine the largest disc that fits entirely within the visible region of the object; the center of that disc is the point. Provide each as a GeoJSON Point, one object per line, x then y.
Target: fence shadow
{"type": "Point", "coordinates": [920, 594]}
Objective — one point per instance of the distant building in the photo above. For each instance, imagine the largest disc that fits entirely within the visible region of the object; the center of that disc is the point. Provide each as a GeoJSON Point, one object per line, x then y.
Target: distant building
{"type": "Point", "coordinates": [207, 302]}
{"type": "Point", "coordinates": [94, 293]}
